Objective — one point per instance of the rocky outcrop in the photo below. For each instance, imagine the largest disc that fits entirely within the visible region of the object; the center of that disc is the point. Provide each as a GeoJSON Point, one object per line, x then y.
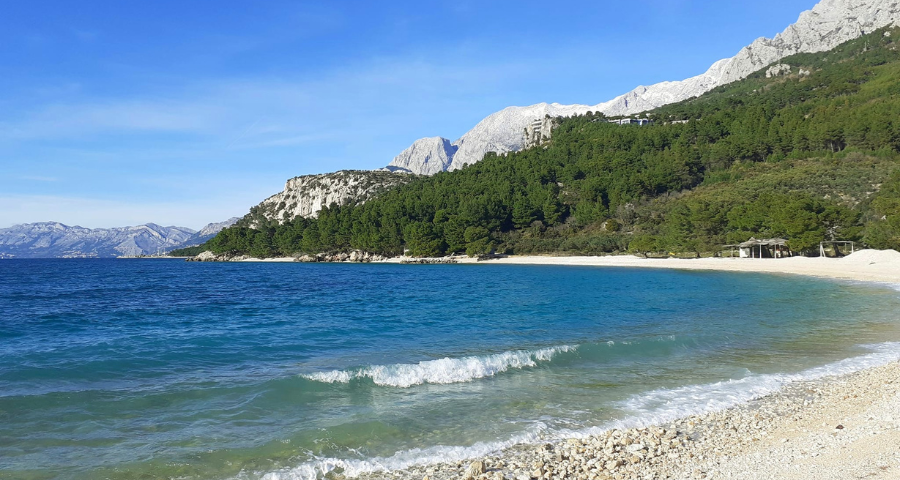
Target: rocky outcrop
{"type": "Point", "coordinates": [501, 132]}
{"type": "Point", "coordinates": [56, 240]}
{"type": "Point", "coordinates": [306, 195]}
{"type": "Point", "coordinates": [778, 70]}
{"type": "Point", "coordinates": [827, 25]}
{"type": "Point", "coordinates": [426, 156]}
{"type": "Point", "coordinates": [538, 132]}
{"type": "Point", "coordinates": [355, 256]}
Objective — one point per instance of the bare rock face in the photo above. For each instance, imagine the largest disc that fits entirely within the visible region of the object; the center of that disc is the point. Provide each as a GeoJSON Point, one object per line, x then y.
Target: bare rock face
{"type": "Point", "coordinates": [426, 156]}
{"type": "Point", "coordinates": [501, 132]}
{"type": "Point", "coordinates": [827, 25]}
{"type": "Point", "coordinates": [778, 70]}
{"type": "Point", "coordinates": [306, 195]}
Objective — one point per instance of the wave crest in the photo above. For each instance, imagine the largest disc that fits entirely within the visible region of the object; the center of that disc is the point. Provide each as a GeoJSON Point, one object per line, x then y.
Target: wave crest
{"type": "Point", "coordinates": [649, 408]}
{"type": "Point", "coordinates": [444, 370]}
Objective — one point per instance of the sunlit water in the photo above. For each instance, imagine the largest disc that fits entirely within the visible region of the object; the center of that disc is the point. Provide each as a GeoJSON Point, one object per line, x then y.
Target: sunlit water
{"type": "Point", "coordinates": [165, 369]}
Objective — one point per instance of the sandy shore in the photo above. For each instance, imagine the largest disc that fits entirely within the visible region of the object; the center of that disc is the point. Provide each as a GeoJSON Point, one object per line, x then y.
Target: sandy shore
{"type": "Point", "coordinates": [865, 265]}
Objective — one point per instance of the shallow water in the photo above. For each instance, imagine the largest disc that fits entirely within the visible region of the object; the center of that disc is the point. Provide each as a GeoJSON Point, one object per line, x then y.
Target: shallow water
{"type": "Point", "coordinates": [167, 369]}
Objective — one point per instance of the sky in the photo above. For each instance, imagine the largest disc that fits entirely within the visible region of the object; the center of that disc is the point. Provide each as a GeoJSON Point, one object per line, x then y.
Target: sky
{"type": "Point", "coordinates": [184, 113]}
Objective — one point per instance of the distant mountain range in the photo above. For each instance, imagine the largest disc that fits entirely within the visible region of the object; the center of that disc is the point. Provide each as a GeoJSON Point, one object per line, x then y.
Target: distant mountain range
{"type": "Point", "coordinates": [56, 240]}
{"type": "Point", "coordinates": [827, 25]}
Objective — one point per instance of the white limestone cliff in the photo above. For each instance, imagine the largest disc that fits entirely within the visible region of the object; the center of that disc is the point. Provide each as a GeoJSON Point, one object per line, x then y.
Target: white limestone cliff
{"type": "Point", "coordinates": [827, 25]}
{"type": "Point", "coordinates": [306, 195]}
{"type": "Point", "coordinates": [502, 132]}
{"type": "Point", "coordinates": [426, 156]}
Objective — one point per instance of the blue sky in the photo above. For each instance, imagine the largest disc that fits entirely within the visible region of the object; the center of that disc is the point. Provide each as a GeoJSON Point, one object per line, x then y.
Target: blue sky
{"type": "Point", "coordinates": [183, 113]}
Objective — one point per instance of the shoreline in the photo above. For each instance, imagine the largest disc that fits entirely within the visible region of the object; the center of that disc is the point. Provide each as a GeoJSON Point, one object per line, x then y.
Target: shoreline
{"type": "Point", "coordinates": [791, 433]}
{"type": "Point", "coordinates": [809, 429]}
{"type": "Point", "coordinates": [880, 266]}
{"type": "Point", "coordinates": [834, 427]}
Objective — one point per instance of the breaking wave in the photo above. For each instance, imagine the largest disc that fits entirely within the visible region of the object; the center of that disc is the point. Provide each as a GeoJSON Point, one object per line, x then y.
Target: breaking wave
{"type": "Point", "coordinates": [648, 408]}
{"type": "Point", "coordinates": [442, 371]}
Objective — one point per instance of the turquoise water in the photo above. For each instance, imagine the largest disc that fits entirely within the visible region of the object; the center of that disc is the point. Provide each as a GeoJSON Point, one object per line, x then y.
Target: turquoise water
{"type": "Point", "coordinates": [165, 369]}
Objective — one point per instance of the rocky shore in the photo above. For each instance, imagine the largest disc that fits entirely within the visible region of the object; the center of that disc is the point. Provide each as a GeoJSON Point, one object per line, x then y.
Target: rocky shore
{"type": "Point", "coordinates": [355, 256]}
{"type": "Point", "coordinates": [837, 428]}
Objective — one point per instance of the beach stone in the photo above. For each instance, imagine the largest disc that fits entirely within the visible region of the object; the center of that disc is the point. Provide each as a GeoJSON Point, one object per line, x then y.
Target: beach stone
{"type": "Point", "coordinates": [634, 448]}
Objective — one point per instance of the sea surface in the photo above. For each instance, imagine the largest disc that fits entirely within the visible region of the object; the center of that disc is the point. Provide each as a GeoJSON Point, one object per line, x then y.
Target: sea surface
{"type": "Point", "coordinates": [132, 369]}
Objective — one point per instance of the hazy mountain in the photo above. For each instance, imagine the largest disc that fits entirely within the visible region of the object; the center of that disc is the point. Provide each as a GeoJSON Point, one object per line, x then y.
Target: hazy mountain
{"type": "Point", "coordinates": [56, 240]}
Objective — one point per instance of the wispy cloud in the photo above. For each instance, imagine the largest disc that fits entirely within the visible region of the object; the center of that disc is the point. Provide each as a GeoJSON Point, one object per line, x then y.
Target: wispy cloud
{"type": "Point", "coordinates": [114, 116]}
{"type": "Point", "coordinates": [267, 111]}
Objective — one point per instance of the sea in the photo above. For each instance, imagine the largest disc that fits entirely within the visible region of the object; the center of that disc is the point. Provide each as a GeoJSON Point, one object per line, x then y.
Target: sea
{"type": "Point", "coordinates": [134, 369]}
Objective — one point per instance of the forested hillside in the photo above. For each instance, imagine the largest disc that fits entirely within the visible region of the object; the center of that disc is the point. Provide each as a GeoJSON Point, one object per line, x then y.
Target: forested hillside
{"type": "Point", "coordinates": [808, 155]}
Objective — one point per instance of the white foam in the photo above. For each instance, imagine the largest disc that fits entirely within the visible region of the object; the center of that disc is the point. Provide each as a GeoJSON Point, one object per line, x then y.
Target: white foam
{"type": "Point", "coordinates": [665, 405]}
{"type": "Point", "coordinates": [649, 408]}
{"type": "Point", "coordinates": [442, 371]}
{"type": "Point", "coordinates": [352, 468]}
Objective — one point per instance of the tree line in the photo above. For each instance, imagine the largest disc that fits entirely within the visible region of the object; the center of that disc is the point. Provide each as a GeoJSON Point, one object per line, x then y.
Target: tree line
{"type": "Point", "coordinates": [805, 157]}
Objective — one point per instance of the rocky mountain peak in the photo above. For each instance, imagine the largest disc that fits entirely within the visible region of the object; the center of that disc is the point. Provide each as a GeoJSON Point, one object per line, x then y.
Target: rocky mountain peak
{"type": "Point", "coordinates": [425, 156]}
{"type": "Point", "coordinates": [827, 25]}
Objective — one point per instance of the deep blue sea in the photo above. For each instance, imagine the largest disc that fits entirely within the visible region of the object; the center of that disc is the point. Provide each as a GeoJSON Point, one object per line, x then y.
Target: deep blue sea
{"type": "Point", "coordinates": [127, 369]}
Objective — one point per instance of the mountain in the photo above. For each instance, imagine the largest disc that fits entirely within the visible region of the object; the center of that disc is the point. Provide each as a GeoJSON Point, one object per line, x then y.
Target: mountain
{"type": "Point", "coordinates": [52, 239]}
{"type": "Point", "coordinates": [806, 150]}
{"type": "Point", "coordinates": [205, 233]}
{"type": "Point", "coordinates": [427, 155]}
{"type": "Point", "coordinates": [56, 240]}
{"type": "Point", "coordinates": [827, 25]}
{"type": "Point", "coordinates": [306, 195]}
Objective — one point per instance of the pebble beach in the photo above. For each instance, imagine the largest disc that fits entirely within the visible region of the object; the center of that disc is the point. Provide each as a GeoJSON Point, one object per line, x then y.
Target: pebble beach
{"type": "Point", "coordinates": [837, 427]}
{"type": "Point", "coordinates": [834, 428]}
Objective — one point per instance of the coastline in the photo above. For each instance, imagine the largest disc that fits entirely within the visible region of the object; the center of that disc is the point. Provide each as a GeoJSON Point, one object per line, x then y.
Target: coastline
{"type": "Point", "coordinates": [835, 427]}
{"type": "Point", "coordinates": [790, 432]}
{"type": "Point", "coordinates": [882, 266]}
